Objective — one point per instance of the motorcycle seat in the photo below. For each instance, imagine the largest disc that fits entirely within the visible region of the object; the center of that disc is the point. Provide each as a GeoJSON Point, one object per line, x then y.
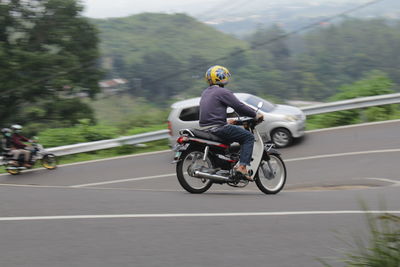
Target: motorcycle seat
{"type": "Point", "coordinates": [208, 136]}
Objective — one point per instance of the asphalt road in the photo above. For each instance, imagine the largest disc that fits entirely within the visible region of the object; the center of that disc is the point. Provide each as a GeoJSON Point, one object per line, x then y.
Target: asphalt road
{"type": "Point", "coordinates": [131, 211]}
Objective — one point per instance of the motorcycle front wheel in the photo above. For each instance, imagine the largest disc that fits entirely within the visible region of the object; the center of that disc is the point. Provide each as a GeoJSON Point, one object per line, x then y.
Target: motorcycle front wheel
{"type": "Point", "coordinates": [13, 171]}
{"type": "Point", "coordinates": [271, 175]}
{"type": "Point", "coordinates": [49, 161]}
{"type": "Point", "coordinates": [191, 160]}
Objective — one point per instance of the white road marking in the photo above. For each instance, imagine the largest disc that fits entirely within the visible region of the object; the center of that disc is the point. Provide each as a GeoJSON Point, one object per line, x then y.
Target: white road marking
{"type": "Point", "coordinates": [353, 126]}
{"type": "Point", "coordinates": [173, 174]}
{"type": "Point", "coordinates": [343, 154]}
{"type": "Point", "coordinates": [188, 215]}
{"type": "Point", "coordinates": [125, 180]}
{"type": "Point", "coordinates": [98, 160]}
{"type": "Point", "coordinates": [394, 182]}
{"type": "Point", "coordinates": [33, 186]}
{"type": "Point", "coordinates": [286, 160]}
{"type": "Point", "coordinates": [116, 158]}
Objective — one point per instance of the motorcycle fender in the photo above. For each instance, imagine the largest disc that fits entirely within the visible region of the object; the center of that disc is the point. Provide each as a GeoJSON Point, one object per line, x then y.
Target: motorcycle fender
{"type": "Point", "coordinates": [178, 152]}
{"type": "Point", "coordinates": [270, 151]}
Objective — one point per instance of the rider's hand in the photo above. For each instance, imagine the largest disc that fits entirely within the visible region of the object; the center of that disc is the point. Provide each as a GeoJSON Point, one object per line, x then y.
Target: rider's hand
{"type": "Point", "coordinates": [259, 117]}
{"type": "Point", "coordinates": [232, 121]}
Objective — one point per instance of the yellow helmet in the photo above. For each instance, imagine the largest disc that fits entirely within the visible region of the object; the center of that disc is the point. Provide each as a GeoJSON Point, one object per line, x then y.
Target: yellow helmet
{"type": "Point", "coordinates": [218, 75]}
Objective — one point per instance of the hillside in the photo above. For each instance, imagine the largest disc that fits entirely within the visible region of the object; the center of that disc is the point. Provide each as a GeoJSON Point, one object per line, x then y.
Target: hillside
{"type": "Point", "coordinates": [178, 35]}
{"type": "Point", "coordinates": [164, 57]}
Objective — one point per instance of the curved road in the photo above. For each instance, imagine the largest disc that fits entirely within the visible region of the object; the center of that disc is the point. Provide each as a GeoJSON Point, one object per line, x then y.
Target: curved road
{"type": "Point", "coordinates": [131, 211]}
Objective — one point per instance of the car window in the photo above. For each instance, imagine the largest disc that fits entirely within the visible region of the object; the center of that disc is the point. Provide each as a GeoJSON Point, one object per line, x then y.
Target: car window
{"type": "Point", "coordinates": [254, 100]}
{"type": "Point", "coordinates": [190, 114]}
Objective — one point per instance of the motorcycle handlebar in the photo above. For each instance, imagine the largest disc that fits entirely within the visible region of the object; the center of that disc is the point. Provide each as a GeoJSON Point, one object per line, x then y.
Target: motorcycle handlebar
{"type": "Point", "coordinates": [245, 121]}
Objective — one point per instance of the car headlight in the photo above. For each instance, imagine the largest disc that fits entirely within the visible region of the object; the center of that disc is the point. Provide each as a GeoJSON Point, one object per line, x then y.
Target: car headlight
{"type": "Point", "coordinates": [290, 118]}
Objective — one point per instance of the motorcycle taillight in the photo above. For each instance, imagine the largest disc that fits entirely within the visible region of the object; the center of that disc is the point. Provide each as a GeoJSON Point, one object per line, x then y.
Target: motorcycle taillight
{"type": "Point", "coordinates": [182, 139]}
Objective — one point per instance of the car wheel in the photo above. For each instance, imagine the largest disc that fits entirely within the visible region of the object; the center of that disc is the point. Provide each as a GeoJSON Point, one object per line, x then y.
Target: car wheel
{"type": "Point", "coordinates": [281, 137]}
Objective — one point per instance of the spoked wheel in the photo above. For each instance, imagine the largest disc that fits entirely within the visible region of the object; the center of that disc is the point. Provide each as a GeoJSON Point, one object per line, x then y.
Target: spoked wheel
{"type": "Point", "coordinates": [49, 161]}
{"type": "Point", "coordinates": [192, 160]}
{"type": "Point", "coordinates": [271, 176]}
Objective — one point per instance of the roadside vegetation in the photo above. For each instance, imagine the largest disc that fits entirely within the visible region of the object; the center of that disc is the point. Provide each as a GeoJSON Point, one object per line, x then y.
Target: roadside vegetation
{"type": "Point", "coordinates": [375, 83]}
{"type": "Point", "coordinates": [380, 247]}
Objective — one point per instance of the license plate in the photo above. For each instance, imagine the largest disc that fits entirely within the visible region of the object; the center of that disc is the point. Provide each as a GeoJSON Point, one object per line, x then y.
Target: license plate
{"type": "Point", "coordinates": [178, 154]}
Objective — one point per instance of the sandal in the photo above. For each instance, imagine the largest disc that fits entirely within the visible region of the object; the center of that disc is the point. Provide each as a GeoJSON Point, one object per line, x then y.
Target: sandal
{"type": "Point", "coordinates": [244, 173]}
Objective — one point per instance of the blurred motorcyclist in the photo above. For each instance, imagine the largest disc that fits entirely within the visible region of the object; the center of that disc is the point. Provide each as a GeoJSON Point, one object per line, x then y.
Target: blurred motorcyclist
{"type": "Point", "coordinates": [17, 140]}
{"type": "Point", "coordinates": [7, 147]}
{"type": "Point", "coordinates": [6, 140]}
{"type": "Point", "coordinates": [213, 104]}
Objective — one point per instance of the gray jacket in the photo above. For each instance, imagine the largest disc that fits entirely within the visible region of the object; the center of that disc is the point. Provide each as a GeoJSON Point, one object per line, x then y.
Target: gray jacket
{"type": "Point", "coordinates": [214, 102]}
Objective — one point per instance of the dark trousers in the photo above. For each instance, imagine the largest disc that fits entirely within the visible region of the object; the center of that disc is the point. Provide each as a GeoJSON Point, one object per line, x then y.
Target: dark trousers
{"type": "Point", "coordinates": [233, 133]}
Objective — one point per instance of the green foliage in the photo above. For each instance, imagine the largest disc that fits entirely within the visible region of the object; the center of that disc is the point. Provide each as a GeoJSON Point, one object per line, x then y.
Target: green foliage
{"type": "Point", "coordinates": [78, 134]}
{"type": "Point", "coordinates": [178, 35]}
{"type": "Point", "coordinates": [375, 83]}
{"type": "Point", "coordinates": [84, 132]}
{"type": "Point", "coordinates": [342, 53]}
{"type": "Point", "coordinates": [42, 56]}
{"type": "Point", "coordinates": [383, 246]}
{"type": "Point", "coordinates": [126, 112]}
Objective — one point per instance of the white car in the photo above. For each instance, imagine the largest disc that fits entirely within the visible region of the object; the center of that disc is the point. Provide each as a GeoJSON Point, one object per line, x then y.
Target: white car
{"type": "Point", "coordinates": [281, 123]}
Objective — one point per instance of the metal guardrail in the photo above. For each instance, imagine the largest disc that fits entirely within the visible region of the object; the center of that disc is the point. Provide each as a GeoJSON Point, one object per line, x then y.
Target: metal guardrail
{"type": "Point", "coordinates": [104, 144]}
{"type": "Point", "coordinates": [163, 134]}
{"type": "Point", "coordinates": [355, 103]}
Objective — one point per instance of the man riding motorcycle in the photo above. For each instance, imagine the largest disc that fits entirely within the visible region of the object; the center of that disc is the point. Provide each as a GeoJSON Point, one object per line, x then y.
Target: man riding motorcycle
{"type": "Point", "coordinates": [17, 145]}
{"type": "Point", "coordinates": [213, 104]}
{"type": "Point", "coordinates": [7, 147]}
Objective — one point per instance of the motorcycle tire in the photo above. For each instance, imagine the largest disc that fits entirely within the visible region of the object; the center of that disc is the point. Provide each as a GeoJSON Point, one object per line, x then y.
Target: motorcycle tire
{"type": "Point", "coordinates": [271, 175]}
{"type": "Point", "coordinates": [49, 161]}
{"type": "Point", "coordinates": [192, 184]}
{"type": "Point", "coordinates": [12, 171]}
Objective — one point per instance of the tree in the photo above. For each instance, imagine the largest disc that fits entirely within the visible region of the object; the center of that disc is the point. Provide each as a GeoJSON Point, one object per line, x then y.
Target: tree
{"type": "Point", "coordinates": [159, 76]}
{"type": "Point", "coordinates": [272, 40]}
{"type": "Point", "coordinates": [47, 49]}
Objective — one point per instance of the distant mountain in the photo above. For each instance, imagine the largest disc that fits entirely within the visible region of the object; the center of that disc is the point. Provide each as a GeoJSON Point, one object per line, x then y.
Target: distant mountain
{"type": "Point", "coordinates": [293, 14]}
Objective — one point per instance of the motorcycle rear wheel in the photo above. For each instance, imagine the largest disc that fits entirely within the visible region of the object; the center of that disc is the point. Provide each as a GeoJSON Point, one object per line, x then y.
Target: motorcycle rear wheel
{"type": "Point", "coordinates": [271, 178]}
{"type": "Point", "coordinates": [191, 159]}
{"type": "Point", "coordinates": [49, 161]}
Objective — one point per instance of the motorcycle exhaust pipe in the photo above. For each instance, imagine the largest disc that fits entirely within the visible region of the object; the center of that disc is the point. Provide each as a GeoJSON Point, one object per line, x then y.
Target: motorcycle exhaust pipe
{"type": "Point", "coordinates": [212, 177]}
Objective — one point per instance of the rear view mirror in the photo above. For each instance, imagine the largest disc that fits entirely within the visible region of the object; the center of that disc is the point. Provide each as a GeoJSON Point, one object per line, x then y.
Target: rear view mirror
{"type": "Point", "coordinates": [229, 110]}
{"type": "Point", "coordinates": [260, 105]}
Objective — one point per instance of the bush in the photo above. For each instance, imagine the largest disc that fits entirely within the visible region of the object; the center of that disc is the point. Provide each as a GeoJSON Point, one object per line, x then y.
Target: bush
{"type": "Point", "coordinates": [382, 248]}
{"type": "Point", "coordinates": [78, 134]}
{"type": "Point", "coordinates": [384, 244]}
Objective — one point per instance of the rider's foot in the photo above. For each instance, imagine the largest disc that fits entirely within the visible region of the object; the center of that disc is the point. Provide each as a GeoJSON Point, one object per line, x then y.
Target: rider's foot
{"type": "Point", "coordinates": [243, 170]}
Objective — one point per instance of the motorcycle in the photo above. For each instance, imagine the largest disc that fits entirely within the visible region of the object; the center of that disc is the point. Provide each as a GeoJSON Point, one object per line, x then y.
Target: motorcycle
{"type": "Point", "coordinates": [48, 160]}
{"type": "Point", "coordinates": [204, 159]}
